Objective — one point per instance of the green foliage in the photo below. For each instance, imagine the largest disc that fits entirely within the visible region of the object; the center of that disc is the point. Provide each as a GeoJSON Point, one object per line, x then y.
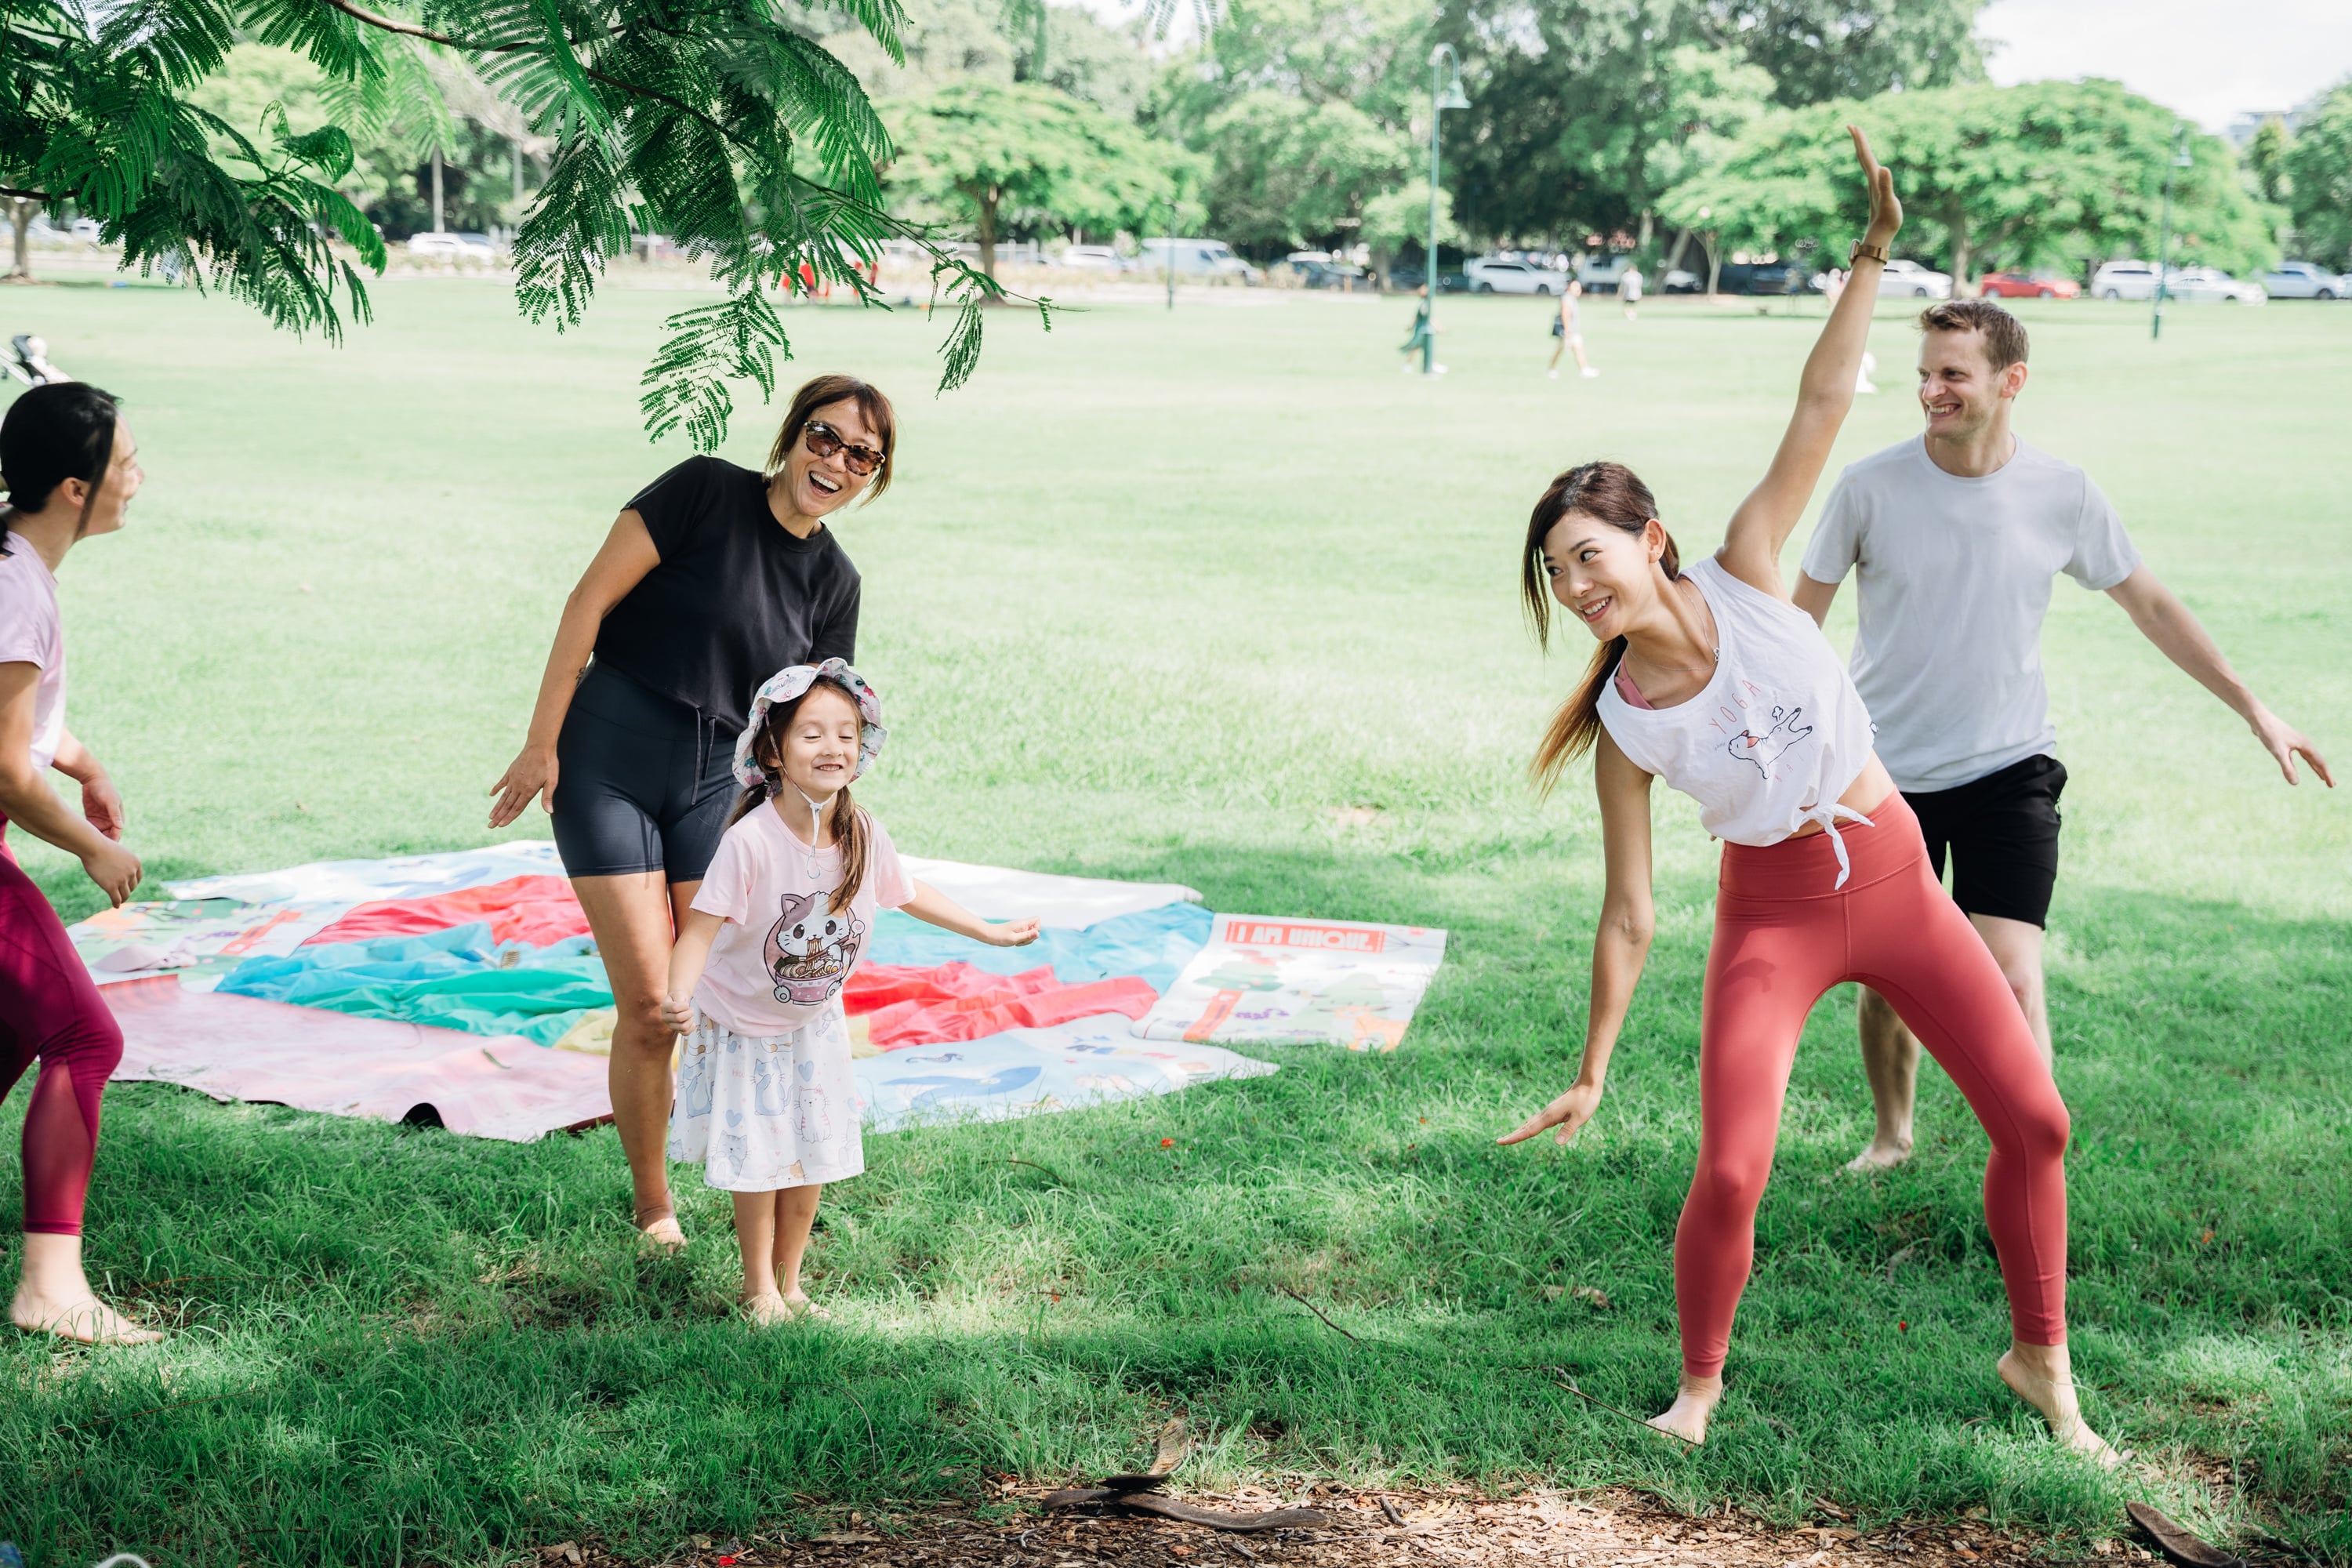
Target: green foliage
{"type": "Point", "coordinates": [1820, 50]}
{"type": "Point", "coordinates": [1395, 218]}
{"type": "Point", "coordinates": [2319, 167]}
{"type": "Point", "coordinates": [994, 159]}
{"type": "Point", "coordinates": [708, 119]}
{"type": "Point", "coordinates": [1285, 169]}
{"type": "Point", "coordinates": [2044, 172]}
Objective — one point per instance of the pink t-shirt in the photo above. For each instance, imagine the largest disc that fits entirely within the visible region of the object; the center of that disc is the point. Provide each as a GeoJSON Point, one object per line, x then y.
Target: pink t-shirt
{"type": "Point", "coordinates": [31, 632]}
{"type": "Point", "coordinates": [785, 954]}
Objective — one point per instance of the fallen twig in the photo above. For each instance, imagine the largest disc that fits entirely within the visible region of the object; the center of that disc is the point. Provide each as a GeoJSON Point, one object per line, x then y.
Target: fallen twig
{"type": "Point", "coordinates": [1316, 1309]}
{"type": "Point", "coordinates": [1564, 1381]}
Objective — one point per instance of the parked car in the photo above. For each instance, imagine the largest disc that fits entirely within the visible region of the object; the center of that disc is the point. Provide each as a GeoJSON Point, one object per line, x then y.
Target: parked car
{"type": "Point", "coordinates": [1502, 275]}
{"type": "Point", "coordinates": [1408, 276]}
{"type": "Point", "coordinates": [1599, 274]}
{"type": "Point", "coordinates": [2020, 285]}
{"type": "Point", "coordinates": [1198, 258]}
{"type": "Point", "coordinates": [1903, 279]}
{"type": "Point", "coordinates": [2212, 286]}
{"type": "Point", "coordinates": [2124, 281]}
{"type": "Point", "coordinates": [464, 246]}
{"type": "Point", "coordinates": [1092, 258]}
{"type": "Point", "coordinates": [1762, 278]}
{"type": "Point", "coordinates": [1306, 272]}
{"type": "Point", "coordinates": [2301, 280]}
{"type": "Point", "coordinates": [1682, 280]}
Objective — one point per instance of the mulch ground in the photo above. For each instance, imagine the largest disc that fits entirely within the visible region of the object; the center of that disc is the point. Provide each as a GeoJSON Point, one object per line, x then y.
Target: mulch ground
{"type": "Point", "coordinates": [1447, 1529]}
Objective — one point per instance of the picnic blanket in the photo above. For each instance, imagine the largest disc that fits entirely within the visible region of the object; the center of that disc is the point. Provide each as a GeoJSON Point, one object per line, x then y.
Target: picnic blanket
{"type": "Point", "coordinates": [1261, 980]}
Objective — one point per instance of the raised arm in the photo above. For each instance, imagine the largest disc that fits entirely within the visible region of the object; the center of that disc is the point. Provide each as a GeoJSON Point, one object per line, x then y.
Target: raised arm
{"type": "Point", "coordinates": [621, 564]}
{"type": "Point", "coordinates": [1621, 943]}
{"type": "Point", "coordinates": [1751, 547]}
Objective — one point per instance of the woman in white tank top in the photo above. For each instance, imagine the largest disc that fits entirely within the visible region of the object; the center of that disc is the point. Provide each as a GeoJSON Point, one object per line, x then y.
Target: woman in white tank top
{"type": "Point", "coordinates": [1711, 679]}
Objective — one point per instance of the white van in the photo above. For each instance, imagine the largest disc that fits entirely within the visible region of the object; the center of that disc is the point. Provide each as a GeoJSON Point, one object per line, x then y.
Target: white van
{"type": "Point", "coordinates": [1196, 258]}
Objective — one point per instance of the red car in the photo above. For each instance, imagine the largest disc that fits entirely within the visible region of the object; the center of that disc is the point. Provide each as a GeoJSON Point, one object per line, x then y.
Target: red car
{"type": "Point", "coordinates": [2028, 286]}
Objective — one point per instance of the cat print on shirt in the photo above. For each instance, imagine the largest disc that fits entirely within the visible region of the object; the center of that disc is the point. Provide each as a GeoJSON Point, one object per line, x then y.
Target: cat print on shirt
{"type": "Point", "coordinates": [1767, 748]}
{"type": "Point", "coordinates": [811, 950]}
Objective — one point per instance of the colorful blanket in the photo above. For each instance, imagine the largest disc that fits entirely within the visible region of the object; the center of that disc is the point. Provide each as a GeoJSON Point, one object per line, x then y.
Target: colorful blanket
{"type": "Point", "coordinates": [455, 979]}
{"type": "Point", "coordinates": [1287, 982]}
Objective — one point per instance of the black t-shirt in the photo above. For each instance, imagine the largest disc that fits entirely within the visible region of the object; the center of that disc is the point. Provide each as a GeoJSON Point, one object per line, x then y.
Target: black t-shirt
{"type": "Point", "coordinates": [734, 599]}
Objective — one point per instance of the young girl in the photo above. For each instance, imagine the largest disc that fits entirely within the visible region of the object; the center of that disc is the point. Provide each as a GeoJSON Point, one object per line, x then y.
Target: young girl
{"type": "Point", "coordinates": [764, 1096]}
{"type": "Point", "coordinates": [1711, 679]}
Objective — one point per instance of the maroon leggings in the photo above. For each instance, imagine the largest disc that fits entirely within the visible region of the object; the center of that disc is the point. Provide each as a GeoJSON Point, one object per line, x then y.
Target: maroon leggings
{"type": "Point", "coordinates": [50, 1008]}
{"type": "Point", "coordinates": [1784, 933]}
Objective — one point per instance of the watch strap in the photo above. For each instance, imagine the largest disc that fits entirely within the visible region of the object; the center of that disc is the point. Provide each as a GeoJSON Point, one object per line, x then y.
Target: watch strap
{"type": "Point", "coordinates": [1863, 247]}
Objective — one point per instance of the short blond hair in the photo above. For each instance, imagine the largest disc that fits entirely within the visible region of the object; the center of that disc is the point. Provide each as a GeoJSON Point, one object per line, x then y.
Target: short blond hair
{"type": "Point", "coordinates": [2004, 334]}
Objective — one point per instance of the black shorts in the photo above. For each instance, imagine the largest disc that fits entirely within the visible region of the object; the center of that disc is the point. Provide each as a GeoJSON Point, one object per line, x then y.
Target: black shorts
{"type": "Point", "coordinates": [642, 782]}
{"type": "Point", "coordinates": [2002, 832]}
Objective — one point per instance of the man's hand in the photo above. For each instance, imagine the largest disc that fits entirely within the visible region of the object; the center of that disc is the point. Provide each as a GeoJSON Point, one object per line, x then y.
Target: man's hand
{"type": "Point", "coordinates": [2285, 742]}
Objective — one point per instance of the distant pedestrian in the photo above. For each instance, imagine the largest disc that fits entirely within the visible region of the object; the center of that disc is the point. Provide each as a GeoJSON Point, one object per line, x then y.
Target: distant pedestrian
{"type": "Point", "coordinates": [1628, 289]}
{"type": "Point", "coordinates": [1422, 338]}
{"type": "Point", "coordinates": [1566, 329]}
{"type": "Point", "coordinates": [777, 926]}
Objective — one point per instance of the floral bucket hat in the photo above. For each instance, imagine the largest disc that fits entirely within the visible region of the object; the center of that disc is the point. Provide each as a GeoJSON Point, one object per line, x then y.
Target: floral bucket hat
{"type": "Point", "coordinates": [787, 684]}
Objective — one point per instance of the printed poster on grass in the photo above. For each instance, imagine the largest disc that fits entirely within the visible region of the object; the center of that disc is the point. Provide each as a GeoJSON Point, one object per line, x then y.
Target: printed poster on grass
{"type": "Point", "coordinates": [1264, 980]}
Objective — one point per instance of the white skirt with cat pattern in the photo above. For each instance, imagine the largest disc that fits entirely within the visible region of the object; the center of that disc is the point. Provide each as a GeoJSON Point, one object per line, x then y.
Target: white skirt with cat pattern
{"type": "Point", "coordinates": [767, 1111]}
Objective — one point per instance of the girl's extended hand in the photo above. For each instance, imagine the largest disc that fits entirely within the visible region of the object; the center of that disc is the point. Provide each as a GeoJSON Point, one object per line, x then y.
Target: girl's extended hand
{"type": "Point", "coordinates": [1010, 933]}
{"type": "Point", "coordinates": [1886, 208]}
{"type": "Point", "coordinates": [532, 772]}
{"type": "Point", "coordinates": [677, 1013]}
{"type": "Point", "coordinates": [1568, 1113]}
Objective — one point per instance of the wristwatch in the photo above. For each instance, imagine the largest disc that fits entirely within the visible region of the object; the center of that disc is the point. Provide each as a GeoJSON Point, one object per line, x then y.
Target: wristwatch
{"type": "Point", "coordinates": [1863, 247]}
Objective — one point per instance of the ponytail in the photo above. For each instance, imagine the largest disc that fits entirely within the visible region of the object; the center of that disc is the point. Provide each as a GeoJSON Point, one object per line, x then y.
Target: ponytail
{"type": "Point", "coordinates": [64, 430]}
{"type": "Point", "coordinates": [1609, 493]}
{"type": "Point", "coordinates": [853, 830]}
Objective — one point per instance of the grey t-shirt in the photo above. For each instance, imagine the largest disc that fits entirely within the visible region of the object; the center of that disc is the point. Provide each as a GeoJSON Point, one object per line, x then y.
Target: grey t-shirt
{"type": "Point", "coordinates": [1955, 578]}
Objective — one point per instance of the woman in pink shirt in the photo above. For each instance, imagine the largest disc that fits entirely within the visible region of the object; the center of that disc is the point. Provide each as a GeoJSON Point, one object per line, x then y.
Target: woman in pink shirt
{"type": "Point", "coordinates": [70, 467]}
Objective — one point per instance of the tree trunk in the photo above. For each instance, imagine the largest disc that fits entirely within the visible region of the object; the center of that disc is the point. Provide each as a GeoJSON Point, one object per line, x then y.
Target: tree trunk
{"type": "Point", "coordinates": [1955, 218]}
{"type": "Point", "coordinates": [436, 190]}
{"type": "Point", "coordinates": [1642, 240]}
{"type": "Point", "coordinates": [1713, 263]}
{"type": "Point", "coordinates": [20, 217]}
{"type": "Point", "coordinates": [989, 196]}
{"type": "Point", "coordinates": [1674, 257]}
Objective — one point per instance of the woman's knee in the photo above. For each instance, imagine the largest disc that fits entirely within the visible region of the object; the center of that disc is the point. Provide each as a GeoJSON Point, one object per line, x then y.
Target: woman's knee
{"type": "Point", "coordinates": [2040, 1126]}
{"type": "Point", "coordinates": [1727, 1186]}
{"type": "Point", "coordinates": [91, 1046]}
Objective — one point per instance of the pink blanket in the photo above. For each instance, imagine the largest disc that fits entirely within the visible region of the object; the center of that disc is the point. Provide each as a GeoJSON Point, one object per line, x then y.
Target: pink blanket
{"type": "Point", "coordinates": [241, 1047]}
{"type": "Point", "coordinates": [534, 910]}
{"type": "Point", "coordinates": [955, 1002]}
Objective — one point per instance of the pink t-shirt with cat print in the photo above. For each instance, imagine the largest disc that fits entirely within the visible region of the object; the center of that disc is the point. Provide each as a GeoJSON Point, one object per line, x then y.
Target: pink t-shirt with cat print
{"type": "Point", "coordinates": [784, 953]}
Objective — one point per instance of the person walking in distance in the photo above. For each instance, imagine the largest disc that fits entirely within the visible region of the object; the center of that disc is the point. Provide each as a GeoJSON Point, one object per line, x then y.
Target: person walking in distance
{"type": "Point", "coordinates": [1628, 289]}
{"type": "Point", "coordinates": [1957, 535]}
{"type": "Point", "coordinates": [1568, 331]}
{"type": "Point", "coordinates": [1707, 676]}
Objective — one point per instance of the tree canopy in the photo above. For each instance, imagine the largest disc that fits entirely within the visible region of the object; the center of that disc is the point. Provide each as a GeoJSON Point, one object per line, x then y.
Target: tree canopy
{"type": "Point", "coordinates": [2318, 165]}
{"type": "Point", "coordinates": [2043, 172]}
{"type": "Point", "coordinates": [709, 119]}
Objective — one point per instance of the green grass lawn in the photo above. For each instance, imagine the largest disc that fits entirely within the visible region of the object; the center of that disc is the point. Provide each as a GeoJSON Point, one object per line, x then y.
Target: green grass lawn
{"type": "Point", "coordinates": [1156, 597]}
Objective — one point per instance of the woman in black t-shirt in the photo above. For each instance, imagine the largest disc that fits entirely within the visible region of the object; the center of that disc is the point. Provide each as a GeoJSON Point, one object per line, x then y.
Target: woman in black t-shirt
{"type": "Point", "coordinates": [712, 579]}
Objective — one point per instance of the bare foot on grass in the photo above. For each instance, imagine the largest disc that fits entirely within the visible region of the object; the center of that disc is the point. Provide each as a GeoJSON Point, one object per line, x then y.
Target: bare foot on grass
{"type": "Point", "coordinates": [85, 1320]}
{"type": "Point", "coordinates": [1694, 1404]}
{"type": "Point", "coordinates": [772, 1307]}
{"type": "Point", "coordinates": [1882, 1155]}
{"type": "Point", "coordinates": [2042, 1376]}
{"type": "Point", "coordinates": [659, 1229]}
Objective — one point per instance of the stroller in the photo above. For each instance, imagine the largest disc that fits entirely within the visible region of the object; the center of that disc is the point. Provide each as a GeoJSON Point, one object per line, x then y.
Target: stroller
{"type": "Point", "coordinates": [28, 361]}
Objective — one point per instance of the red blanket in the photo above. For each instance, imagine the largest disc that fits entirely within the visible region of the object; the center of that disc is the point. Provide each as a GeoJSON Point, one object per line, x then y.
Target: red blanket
{"type": "Point", "coordinates": [536, 909]}
{"type": "Point", "coordinates": [953, 1002]}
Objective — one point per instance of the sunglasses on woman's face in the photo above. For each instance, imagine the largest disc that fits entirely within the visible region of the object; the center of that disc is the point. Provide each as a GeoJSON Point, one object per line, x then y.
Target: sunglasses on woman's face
{"type": "Point", "coordinates": [824, 441]}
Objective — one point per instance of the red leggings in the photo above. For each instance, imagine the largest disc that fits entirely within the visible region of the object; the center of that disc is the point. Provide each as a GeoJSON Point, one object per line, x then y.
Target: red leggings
{"type": "Point", "coordinates": [50, 1008]}
{"type": "Point", "coordinates": [1784, 933]}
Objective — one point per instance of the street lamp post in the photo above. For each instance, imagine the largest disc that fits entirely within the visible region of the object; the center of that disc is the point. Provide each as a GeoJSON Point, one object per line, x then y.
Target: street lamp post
{"type": "Point", "coordinates": [2179, 160]}
{"type": "Point", "coordinates": [1444, 92]}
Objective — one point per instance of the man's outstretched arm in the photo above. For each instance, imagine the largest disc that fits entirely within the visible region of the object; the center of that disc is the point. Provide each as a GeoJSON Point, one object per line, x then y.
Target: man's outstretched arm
{"type": "Point", "coordinates": [2165, 621]}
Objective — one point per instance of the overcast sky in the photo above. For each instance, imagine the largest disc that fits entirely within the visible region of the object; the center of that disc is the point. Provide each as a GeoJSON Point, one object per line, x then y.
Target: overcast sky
{"type": "Point", "coordinates": [2209, 61]}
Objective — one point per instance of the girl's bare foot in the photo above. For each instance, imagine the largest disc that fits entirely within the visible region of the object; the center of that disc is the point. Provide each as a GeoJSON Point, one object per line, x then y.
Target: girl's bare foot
{"type": "Point", "coordinates": [87, 1321]}
{"type": "Point", "coordinates": [1884, 1155]}
{"type": "Point", "coordinates": [2044, 1376]}
{"type": "Point", "coordinates": [772, 1307]}
{"type": "Point", "coordinates": [657, 1224]}
{"type": "Point", "coordinates": [1694, 1404]}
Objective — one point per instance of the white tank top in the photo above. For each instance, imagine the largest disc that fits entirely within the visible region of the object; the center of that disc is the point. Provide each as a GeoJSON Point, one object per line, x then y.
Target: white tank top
{"type": "Point", "coordinates": [1776, 737]}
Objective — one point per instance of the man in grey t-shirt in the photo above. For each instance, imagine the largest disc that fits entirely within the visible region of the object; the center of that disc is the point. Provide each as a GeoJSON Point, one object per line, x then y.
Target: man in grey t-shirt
{"type": "Point", "coordinates": [1958, 537]}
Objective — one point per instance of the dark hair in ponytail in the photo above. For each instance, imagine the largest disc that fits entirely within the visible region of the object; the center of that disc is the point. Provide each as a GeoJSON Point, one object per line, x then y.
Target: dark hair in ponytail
{"type": "Point", "coordinates": [850, 834]}
{"type": "Point", "coordinates": [1606, 492]}
{"type": "Point", "coordinates": [62, 431]}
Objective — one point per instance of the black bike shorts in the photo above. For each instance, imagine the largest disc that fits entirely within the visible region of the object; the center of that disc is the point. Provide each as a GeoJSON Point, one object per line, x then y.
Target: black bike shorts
{"type": "Point", "coordinates": [2002, 833]}
{"type": "Point", "coordinates": [643, 783]}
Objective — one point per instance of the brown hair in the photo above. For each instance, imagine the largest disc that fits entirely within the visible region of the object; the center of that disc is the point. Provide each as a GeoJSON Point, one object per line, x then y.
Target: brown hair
{"type": "Point", "coordinates": [850, 827]}
{"type": "Point", "coordinates": [2004, 334]}
{"type": "Point", "coordinates": [1606, 492]}
{"type": "Point", "coordinates": [822, 391]}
